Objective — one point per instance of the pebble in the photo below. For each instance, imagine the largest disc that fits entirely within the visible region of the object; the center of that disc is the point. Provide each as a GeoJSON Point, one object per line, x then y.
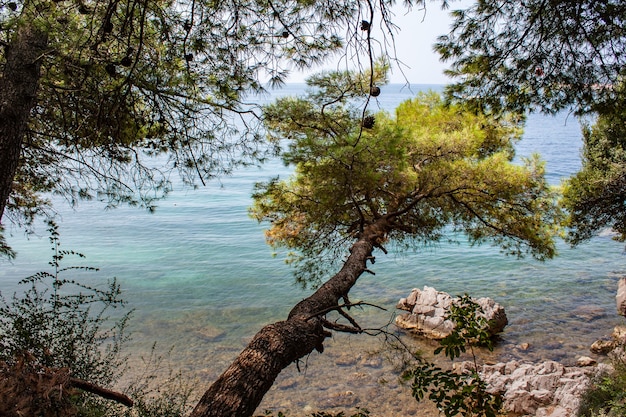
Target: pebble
{"type": "Point", "coordinates": [585, 361]}
{"type": "Point", "coordinates": [341, 399]}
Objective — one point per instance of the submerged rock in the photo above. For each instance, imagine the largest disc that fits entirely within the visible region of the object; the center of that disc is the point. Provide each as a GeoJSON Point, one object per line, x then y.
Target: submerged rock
{"type": "Point", "coordinates": [209, 333]}
{"type": "Point", "coordinates": [342, 399]}
{"type": "Point", "coordinates": [589, 312]}
{"type": "Point", "coordinates": [428, 308]}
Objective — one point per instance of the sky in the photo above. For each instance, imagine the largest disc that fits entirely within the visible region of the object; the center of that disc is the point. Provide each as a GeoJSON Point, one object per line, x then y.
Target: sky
{"type": "Point", "coordinates": [418, 32]}
{"type": "Point", "coordinates": [414, 43]}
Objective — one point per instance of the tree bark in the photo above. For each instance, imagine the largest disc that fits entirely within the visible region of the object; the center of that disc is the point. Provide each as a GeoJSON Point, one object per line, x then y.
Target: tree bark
{"type": "Point", "coordinates": [18, 90]}
{"type": "Point", "coordinates": [102, 392]}
{"type": "Point", "coordinates": [240, 389]}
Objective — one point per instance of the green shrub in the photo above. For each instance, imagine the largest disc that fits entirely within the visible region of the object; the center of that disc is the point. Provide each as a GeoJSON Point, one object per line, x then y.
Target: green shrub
{"type": "Point", "coordinates": [58, 330]}
{"type": "Point", "coordinates": [606, 395]}
{"type": "Point", "coordinates": [452, 392]}
{"type": "Point", "coordinates": [59, 322]}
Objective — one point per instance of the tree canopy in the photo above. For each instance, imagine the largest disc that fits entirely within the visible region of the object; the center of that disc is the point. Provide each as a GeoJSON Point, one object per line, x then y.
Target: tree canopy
{"type": "Point", "coordinates": [552, 55]}
{"type": "Point", "coordinates": [595, 196]}
{"type": "Point", "coordinates": [431, 171]}
{"type": "Point", "coordinates": [106, 99]}
{"type": "Point", "coordinates": [544, 54]}
{"type": "Point", "coordinates": [363, 181]}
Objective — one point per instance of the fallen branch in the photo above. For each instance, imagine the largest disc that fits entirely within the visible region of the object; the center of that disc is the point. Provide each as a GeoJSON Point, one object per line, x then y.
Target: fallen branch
{"type": "Point", "coordinates": [102, 392]}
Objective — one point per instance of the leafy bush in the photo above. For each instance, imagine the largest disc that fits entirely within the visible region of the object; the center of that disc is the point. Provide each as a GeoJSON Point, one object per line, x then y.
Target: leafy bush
{"type": "Point", "coordinates": [61, 323]}
{"type": "Point", "coordinates": [606, 395]}
{"type": "Point", "coordinates": [456, 393]}
{"type": "Point", "coordinates": [59, 330]}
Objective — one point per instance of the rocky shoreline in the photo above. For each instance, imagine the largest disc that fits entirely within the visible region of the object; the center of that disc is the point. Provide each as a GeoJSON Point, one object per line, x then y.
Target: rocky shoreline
{"type": "Point", "coordinates": [543, 389]}
{"type": "Point", "coordinates": [356, 371]}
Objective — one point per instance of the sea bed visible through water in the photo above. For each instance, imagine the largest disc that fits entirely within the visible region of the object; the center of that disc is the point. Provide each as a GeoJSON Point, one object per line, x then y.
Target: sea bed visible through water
{"type": "Point", "coordinates": [202, 281]}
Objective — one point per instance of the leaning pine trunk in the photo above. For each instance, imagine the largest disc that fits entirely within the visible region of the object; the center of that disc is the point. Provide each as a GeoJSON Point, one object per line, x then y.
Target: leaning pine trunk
{"type": "Point", "coordinates": [18, 88]}
{"type": "Point", "coordinates": [240, 389]}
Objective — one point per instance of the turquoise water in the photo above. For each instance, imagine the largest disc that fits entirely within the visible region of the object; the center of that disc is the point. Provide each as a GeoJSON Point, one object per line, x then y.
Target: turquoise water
{"type": "Point", "coordinates": [201, 279]}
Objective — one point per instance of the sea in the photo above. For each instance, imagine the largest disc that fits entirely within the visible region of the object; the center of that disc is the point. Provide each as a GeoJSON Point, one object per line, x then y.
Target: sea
{"type": "Point", "coordinates": [201, 281]}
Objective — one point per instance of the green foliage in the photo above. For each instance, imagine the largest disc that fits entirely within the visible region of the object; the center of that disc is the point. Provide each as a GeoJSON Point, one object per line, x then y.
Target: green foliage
{"type": "Point", "coordinates": [5, 249]}
{"type": "Point", "coordinates": [606, 394]}
{"type": "Point", "coordinates": [132, 91]}
{"type": "Point", "coordinates": [59, 326]}
{"type": "Point", "coordinates": [471, 329]}
{"type": "Point", "coordinates": [546, 54]}
{"type": "Point", "coordinates": [430, 168]}
{"type": "Point", "coordinates": [553, 55]}
{"type": "Point", "coordinates": [59, 322]}
{"type": "Point", "coordinates": [594, 197]}
{"type": "Point", "coordinates": [453, 392]}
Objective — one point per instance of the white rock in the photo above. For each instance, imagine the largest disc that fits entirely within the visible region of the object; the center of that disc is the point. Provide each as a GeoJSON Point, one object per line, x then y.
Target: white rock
{"type": "Point", "coordinates": [552, 367]}
{"type": "Point", "coordinates": [542, 396]}
{"type": "Point", "coordinates": [412, 298]}
{"type": "Point", "coordinates": [429, 308]}
{"type": "Point", "coordinates": [557, 411]}
{"type": "Point", "coordinates": [545, 389]}
{"type": "Point", "coordinates": [422, 309]}
{"type": "Point", "coordinates": [520, 402]}
{"type": "Point", "coordinates": [521, 371]}
{"type": "Point", "coordinates": [545, 382]}
{"type": "Point", "coordinates": [620, 298]}
{"type": "Point", "coordinates": [585, 361]}
{"type": "Point", "coordinates": [519, 384]}
{"type": "Point", "coordinates": [511, 366]}
{"type": "Point", "coordinates": [428, 297]}
{"type": "Point", "coordinates": [444, 300]}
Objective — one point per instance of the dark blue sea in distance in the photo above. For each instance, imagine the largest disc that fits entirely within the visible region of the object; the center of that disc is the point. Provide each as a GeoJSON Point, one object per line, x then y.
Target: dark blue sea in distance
{"type": "Point", "coordinates": [202, 281]}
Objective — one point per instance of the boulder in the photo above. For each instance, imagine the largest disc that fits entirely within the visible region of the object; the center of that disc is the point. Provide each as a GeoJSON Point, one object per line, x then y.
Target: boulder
{"type": "Point", "coordinates": [544, 389]}
{"type": "Point", "coordinates": [603, 347]}
{"type": "Point", "coordinates": [428, 308]}
{"type": "Point", "coordinates": [615, 343]}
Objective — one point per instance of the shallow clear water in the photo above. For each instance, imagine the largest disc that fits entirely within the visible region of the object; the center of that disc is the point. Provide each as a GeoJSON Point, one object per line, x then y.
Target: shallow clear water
{"type": "Point", "coordinates": [201, 279]}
